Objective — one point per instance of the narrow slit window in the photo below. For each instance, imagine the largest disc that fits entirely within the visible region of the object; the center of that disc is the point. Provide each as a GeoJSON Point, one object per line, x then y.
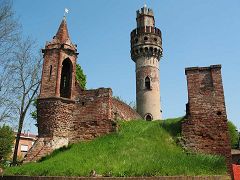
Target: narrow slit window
{"type": "Point", "coordinates": [50, 72]}
{"type": "Point", "coordinates": [147, 83]}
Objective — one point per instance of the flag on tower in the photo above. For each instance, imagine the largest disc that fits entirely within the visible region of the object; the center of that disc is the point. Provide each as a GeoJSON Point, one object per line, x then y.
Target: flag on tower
{"type": "Point", "coordinates": [66, 10]}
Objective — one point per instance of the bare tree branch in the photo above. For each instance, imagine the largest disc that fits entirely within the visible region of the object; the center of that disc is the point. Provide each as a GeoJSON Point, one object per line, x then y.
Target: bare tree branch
{"type": "Point", "coordinates": [9, 27]}
{"type": "Point", "coordinates": [25, 68]}
{"type": "Point", "coordinates": [9, 36]}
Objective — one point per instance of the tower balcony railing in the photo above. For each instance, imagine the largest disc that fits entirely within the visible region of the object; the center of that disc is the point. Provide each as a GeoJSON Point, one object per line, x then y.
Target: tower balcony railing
{"type": "Point", "coordinates": [146, 29]}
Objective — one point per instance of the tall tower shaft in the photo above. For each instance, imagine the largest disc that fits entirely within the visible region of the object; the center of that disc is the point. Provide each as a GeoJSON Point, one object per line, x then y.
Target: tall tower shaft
{"type": "Point", "coordinates": [146, 51]}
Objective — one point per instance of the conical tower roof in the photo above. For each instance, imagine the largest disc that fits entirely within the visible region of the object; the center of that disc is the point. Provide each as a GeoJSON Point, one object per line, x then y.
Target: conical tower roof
{"type": "Point", "coordinates": [62, 33]}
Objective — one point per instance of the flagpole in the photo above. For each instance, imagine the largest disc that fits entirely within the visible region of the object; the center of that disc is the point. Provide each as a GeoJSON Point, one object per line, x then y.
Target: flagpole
{"type": "Point", "coordinates": [65, 12]}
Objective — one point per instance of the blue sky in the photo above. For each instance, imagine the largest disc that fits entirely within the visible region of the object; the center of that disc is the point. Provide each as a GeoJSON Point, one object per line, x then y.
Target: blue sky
{"type": "Point", "coordinates": [195, 33]}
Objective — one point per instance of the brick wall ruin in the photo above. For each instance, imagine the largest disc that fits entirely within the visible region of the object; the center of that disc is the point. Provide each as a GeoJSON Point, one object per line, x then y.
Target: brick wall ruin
{"type": "Point", "coordinates": [205, 129]}
{"type": "Point", "coordinates": [121, 110]}
{"type": "Point", "coordinates": [54, 115]}
{"type": "Point", "coordinates": [66, 112]}
{"type": "Point", "coordinates": [92, 115]}
{"type": "Point", "coordinates": [62, 121]}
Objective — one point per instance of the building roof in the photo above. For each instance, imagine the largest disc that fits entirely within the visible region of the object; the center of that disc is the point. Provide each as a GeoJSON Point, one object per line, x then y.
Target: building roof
{"type": "Point", "coordinates": [27, 136]}
{"type": "Point", "coordinates": [235, 151]}
{"type": "Point", "coordinates": [62, 33]}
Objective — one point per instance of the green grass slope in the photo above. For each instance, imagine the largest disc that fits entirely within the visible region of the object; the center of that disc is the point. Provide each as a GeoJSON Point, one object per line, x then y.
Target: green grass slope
{"type": "Point", "coordinates": [139, 148]}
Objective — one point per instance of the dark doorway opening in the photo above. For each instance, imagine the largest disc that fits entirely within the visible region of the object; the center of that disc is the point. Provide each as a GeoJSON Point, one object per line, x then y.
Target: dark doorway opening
{"type": "Point", "coordinates": [66, 79]}
{"type": "Point", "coordinates": [148, 117]}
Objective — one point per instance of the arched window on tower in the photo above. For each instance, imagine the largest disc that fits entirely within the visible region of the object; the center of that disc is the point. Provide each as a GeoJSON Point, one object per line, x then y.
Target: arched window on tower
{"type": "Point", "coordinates": [66, 79]}
{"type": "Point", "coordinates": [147, 83]}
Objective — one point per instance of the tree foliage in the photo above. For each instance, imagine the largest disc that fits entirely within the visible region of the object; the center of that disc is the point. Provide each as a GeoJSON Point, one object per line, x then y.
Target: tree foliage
{"type": "Point", "coordinates": [81, 77]}
{"type": "Point", "coordinates": [34, 112]}
{"type": "Point", "coordinates": [234, 136]}
{"type": "Point", "coordinates": [6, 142]}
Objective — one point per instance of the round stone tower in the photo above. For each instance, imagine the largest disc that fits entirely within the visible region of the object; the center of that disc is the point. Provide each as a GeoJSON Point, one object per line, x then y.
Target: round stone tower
{"type": "Point", "coordinates": [146, 51]}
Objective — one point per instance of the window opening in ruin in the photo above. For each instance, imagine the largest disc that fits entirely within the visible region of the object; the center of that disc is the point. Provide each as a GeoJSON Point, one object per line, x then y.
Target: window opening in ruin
{"type": "Point", "coordinates": [50, 72]}
{"type": "Point", "coordinates": [147, 83]}
{"type": "Point", "coordinates": [66, 79]}
{"type": "Point", "coordinates": [148, 117]}
{"type": "Point", "coordinates": [219, 113]}
{"type": "Point", "coordinates": [145, 38]}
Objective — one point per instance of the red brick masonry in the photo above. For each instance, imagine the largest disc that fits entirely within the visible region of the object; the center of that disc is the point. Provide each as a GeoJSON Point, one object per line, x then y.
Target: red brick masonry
{"type": "Point", "coordinates": [205, 129]}
{"type": "Point", "coordinates": [67, 113]}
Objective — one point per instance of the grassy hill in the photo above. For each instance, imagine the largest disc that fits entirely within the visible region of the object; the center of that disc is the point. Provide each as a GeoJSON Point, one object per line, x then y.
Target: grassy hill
{"type": "Point", "coordinates": [139, 148]}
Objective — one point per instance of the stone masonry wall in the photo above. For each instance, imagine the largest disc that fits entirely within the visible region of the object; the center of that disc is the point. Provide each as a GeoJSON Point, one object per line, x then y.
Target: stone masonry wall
{"type": "Point", "coordinates": [205, 129]}
{"type": "Point", "coordinates": [92, 115]}
{"type": "Point", "coordinates": [62, 121]}
{"type": "Point", "coordinates": [122, 111]}
{"type": "Point", "coordinates": [148, 100]}
{"type": "Point", "coordinates": [54, 116]}
{"type": "Point", "coordinates": [54, 121]}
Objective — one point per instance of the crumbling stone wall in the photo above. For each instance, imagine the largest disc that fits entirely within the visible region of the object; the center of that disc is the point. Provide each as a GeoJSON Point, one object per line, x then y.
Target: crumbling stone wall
{"type": "Point", "coordinates": [54, 116]}
{"type": "Point", "coordinates": [205, 129]}
{"type": "Point", "coordinates": [62, 121]}
{"type": "Point", "coordinates": [122, 111]}
{"type": "Point", "coordinates": [83, 115]}
{"type": "Point", "coordinates": [92, 115]}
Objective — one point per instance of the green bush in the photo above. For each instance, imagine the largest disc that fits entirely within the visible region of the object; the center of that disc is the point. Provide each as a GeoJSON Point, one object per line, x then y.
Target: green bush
{"type": "Point", "coordinates": [6, 142]}
{"type": "Point", "coordinates": [81, 77]}
{"type": "Point", "coordinates": [233, 134]}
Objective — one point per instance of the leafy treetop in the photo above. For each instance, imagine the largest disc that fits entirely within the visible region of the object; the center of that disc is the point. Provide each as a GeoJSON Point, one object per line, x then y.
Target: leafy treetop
{"type": "Point", "coordinates": [81, 77]}
{"type": "Point", "coordinates": [6, 142]}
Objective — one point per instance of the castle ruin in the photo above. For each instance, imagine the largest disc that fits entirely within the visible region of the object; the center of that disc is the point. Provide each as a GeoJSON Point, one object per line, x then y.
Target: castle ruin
{"type": "Point", "coordinates": [67, 113]}
{"type": "Point", "coordinates": [205, 129]}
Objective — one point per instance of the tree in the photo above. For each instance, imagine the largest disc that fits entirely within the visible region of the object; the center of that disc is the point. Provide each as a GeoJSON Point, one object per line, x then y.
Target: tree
{"type": "Point", "coordinates": [9, 27]}
{"type": "Point", "coordinates": [25, 68]}
{"type": "Point", "coordinates": [9, 35]}
{"type": "Point", "coordinates": [81, 77]}
{"type": "Point", "coordinates": [6, 142]}
{"type": "Point", "coordinates": [234, 137]}
{"type": "Point", "coordinates": [34, 112]}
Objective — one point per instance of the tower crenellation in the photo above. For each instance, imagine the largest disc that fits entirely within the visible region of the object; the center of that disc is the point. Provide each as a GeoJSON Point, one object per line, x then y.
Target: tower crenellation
{"type": "Point", "coordinates": [145, 17]}
{"type": "Point", "coordinates": [145, 11]}
{"type": "Point", "coordinates": [146, 51]}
